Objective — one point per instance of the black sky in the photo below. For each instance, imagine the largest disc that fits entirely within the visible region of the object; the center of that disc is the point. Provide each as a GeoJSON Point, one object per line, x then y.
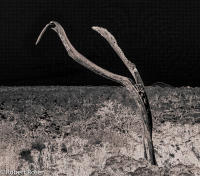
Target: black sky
{"type": "Point", "coordinates": [161, 37]}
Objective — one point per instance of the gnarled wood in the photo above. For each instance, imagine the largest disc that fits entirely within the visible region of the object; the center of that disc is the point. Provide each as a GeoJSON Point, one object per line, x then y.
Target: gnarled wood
{"type": "Point", "coordinates": [133, 70]}
{"type": "Point", "coordinates": [136, 90]}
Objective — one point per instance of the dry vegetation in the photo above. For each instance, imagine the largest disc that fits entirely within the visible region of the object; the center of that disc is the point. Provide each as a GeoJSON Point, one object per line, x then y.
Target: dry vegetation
{"type": "Point", "coordinates": [82, 131]}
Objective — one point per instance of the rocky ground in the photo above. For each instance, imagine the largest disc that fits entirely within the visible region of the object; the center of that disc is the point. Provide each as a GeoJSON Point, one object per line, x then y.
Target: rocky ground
{"type": "Point", "coordinates": [96, 131]}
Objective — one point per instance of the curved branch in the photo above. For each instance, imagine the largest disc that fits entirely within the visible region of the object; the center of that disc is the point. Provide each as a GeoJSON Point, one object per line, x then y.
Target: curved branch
{"type": "Point", "coordinates": [113, 43]}
{"type": "Point", "coordinates": [133, 70]}
{"type": "Point", "coordinates": [78, 57]}
{"type": "Point", "coordinates": [131, 67]}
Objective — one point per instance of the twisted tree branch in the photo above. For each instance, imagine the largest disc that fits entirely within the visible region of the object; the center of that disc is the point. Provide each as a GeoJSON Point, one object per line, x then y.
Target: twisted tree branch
{"type": "Point", "coordinates": [113, 43]}
{"type": "Point", "coordinates": [131, 66]}
{"type": "Point", "coordinates": [135, 90]}
{"type": "Point", "coordinates": [133, 70]}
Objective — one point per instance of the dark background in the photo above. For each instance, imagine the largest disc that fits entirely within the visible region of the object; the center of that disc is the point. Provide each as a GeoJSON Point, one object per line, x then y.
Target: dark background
{"type": "Point", "coordinates": [161, 37]}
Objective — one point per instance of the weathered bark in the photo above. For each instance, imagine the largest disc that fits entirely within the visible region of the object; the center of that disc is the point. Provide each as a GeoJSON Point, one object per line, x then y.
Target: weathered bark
{"type": "Point", "coordinates": [139, 86]}
{"type": "Point", "coordinates": [136, 87]}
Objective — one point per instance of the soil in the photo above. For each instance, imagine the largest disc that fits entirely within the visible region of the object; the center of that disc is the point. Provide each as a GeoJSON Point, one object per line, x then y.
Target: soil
{"type": "Point", "coordinates": [97, 131]}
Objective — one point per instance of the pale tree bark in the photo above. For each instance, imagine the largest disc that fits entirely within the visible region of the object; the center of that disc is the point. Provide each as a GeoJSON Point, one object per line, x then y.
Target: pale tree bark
{"type": "Point", "coordinates": [135, 87]}
{"type": "Point", "coordinates": [138, 84]}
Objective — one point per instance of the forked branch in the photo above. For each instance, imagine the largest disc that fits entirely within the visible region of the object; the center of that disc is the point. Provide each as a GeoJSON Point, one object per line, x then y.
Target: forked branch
{"type": "Point", "coordinates": [131, 67]}
{"type": "Point", "coordinates": [136, 90]}
{"type": "Point", "coordinates": [78, 57]}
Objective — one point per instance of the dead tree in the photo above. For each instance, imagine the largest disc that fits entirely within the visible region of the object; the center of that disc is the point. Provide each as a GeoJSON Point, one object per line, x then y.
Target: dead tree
{"type": "Point", "coordinates": [135, 86]}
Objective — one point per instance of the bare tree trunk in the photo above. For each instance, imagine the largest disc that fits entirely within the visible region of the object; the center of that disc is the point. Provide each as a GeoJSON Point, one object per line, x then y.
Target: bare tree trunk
{"type": "Point", "coordinates": [135, 87]}
{"type": "Point", "coordinates": [146, 111]}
